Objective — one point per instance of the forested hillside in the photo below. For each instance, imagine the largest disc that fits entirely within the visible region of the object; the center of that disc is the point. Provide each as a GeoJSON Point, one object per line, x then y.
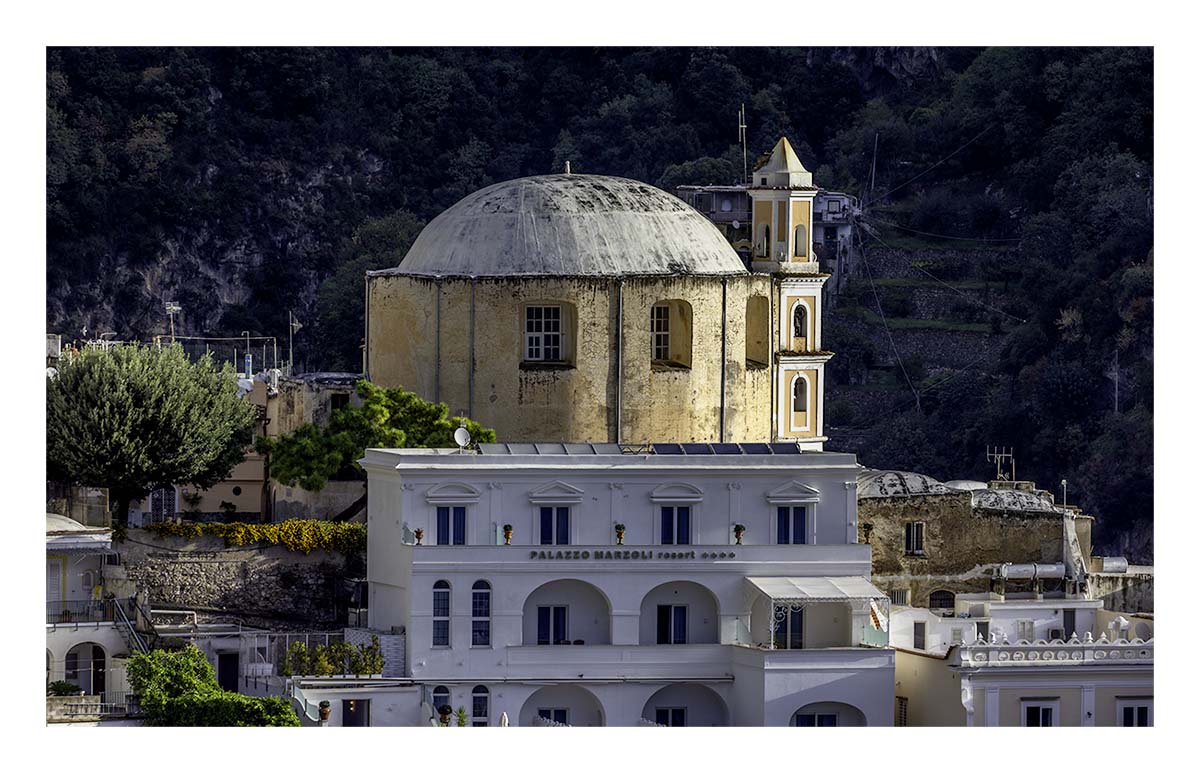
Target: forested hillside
{"type": "Point", "coordinates": [242, 183]}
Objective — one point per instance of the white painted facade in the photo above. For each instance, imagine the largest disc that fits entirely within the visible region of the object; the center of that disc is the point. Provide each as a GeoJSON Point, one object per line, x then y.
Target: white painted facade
{"type": "Point", "coordinates": [611, 604]}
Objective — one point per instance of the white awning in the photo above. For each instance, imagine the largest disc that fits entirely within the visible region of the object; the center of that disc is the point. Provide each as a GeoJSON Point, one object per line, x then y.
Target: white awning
{"type": "Point", "coordinates": [795, 590]}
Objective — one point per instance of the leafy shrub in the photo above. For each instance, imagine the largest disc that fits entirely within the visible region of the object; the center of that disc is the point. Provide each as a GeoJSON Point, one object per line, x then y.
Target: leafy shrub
{"type": "Point", "coordinates": [335, 658]}
{"type": "Point", "coordinates": [179, 689]}
{"type": "Point", "coordinates": [60, 688]}
{"type": "Point", "coordinates": [298, 535]}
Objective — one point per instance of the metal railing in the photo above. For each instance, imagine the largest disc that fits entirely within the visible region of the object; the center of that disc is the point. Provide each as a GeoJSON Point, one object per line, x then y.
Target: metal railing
{"type": "Point", "coordinates": [91, 611]}
{"type": "Point", "coordinates": [135, 639]}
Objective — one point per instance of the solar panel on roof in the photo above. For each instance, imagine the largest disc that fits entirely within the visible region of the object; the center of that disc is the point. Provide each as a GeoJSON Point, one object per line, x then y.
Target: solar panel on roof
{"type": "Point", "coordinates": [755, 448]}
{"type": "Point", "coordinates": [697, 448]}
{"type": "Point", "coordinates": [580, 449]}
{"type": "Point", "coordinates": [667, 448]}
{"type": "Point", "coordinates": [550, 448]}
{"type": "Point", "coordinates": [522, 448]}
{"type": "Point", "coordinates": [726, 448]}
{"type": "Point", "coordinates": [493, 448]}
{"type": "Point", "coordinates": [785, 448]}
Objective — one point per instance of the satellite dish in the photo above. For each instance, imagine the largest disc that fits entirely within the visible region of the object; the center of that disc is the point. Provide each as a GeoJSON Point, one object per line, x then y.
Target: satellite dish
{"type": "Point", "coordinates": [462, 437]}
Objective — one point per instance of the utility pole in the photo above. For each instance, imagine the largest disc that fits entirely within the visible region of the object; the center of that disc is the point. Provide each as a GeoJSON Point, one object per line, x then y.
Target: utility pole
{"type": "Point", "coordinates": [293, 326]}
{"type": "Point", "coordinates": [172, 308]}
{"type": "Point", "coordinates": [742, 139]}
{"type": "Point", "coordinates": [874, 154]}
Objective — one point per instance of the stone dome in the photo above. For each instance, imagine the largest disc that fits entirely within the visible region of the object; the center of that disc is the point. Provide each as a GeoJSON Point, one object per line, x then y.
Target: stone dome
{"type": "Point", "coordinates": [569, 225]}
{"type": "Point", "coordinates": [1011, 500]}
{"type": "Point", "coordinates": [897, 483]}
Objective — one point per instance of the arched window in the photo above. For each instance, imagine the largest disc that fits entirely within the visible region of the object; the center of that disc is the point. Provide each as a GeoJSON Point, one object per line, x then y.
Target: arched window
{"type": "Point", "coordinates": [763, 248]}
{"type": "Point", "coordinates": [479, 706]}
{"type": "Point", "coordinates": [441, 614]}
{"type": "Point", "coordinates": [441, 697]}
{"type": "Point", "coordinates": [757, 329]}
{"type": "Point", "coordinates": [481, 614]}
{"type": "Point", "coordinates": [800, 325]}
{"type": "Point", "coordinates": [800, 249]}
{"type": "Point", "coordinates": [800, 402]}
{"type": "Point", "coordinates": [671, 334]}
{"type": "Point", "coordinates": [941, 599]}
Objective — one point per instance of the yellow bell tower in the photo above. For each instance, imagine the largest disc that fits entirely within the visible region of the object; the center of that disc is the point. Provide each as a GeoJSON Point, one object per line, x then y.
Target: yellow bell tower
{"type": "Point", "coordinates": [782, 194]}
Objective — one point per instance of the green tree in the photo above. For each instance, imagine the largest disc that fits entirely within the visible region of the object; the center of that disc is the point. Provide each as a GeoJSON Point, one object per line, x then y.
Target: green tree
{"type": "Point", "coordinates": [388, 418]}
{"type": "Point", "coordinates": [179, 689]}
{"type": "Point", "coordinates": [134, 417]}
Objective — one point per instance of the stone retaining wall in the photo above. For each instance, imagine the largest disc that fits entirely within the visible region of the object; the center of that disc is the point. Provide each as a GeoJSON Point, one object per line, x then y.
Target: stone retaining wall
{"type": "Point", "coordinates": [254, 581]}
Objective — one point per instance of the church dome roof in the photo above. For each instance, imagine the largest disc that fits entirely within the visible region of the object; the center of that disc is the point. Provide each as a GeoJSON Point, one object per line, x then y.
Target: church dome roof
{"type": "Point", "coordinates": [569, 225]}
{"type": "Point", "coordinates": [1012, 500]}
{"type": "Point", "coordinates": [897, 483]}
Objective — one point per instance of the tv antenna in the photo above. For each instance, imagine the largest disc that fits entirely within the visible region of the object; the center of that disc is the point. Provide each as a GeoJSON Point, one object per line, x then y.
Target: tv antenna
{"type": "Point", "coordinates": [462, 435]}
{"type": "Point", "coordinates": [1000, 455]}
{"type": "Point", "coordinates": [742, 139]}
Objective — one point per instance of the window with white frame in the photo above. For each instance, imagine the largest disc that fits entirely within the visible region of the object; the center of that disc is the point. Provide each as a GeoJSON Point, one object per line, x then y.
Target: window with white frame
{"type": "Point", "coordinates": [555, 525]}
{"type": "Point", "coordinates": [671, 716]}
{"type": "Point", "coordinates": [812, 719]}
{"type": "Point", "coordinates": [480, 700]}
{"type": "Point", "coordinates": [552, 624]}
{"type": "Point", "coordinates": [800, 321]}
{"type": "Point", "coordinates": [544, 334]}
{"type": "Point", "coordinates": [441, 614]}
{"type": "Point", "coordinates": [672, 624]}
{"type": "Point", "coordinates": [791, 525]}
{"type": "Point", "coordinates": [452, 525]}
{"type": "Point", "coordinates": [1024, 630]}
{"type": "Point", "coordinates": [481, 614]}
{"type": "Point", "coordinates": [559, 715]}
{"type": "Point", "coordinates": [1039, 713]}
{"type": "Point", "coordinates": [1135, 712]}
{"type": "Point", "coordinates": [833, 206]}
{"type": "Point", "coordinates": [914, 538]}
{"type": "Point", "coordinates": [660, 331]}
{"type": "Point", "coordinates": [676, 524]}
{"type": "Point", "coordinates": [441, 697]}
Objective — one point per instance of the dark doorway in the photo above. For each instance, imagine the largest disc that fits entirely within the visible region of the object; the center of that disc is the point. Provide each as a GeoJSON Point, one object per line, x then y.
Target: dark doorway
{"type": "Point", "coordinates": [356, 713]}
{"type": "Point", "coordinates": [227, 671]}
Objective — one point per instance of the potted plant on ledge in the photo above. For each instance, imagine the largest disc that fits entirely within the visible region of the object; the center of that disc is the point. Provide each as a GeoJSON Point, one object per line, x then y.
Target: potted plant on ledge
{"type": "Point", "coordinates": [419, 534]}
{"type": "Point", "coordinates": [323, 711]}
{"type": "Point", "coordinates": [738, 531]}
{"type": "Point", "coordinates": [620, 527]}
{"type": "Point", "coordinates": [508, 533]}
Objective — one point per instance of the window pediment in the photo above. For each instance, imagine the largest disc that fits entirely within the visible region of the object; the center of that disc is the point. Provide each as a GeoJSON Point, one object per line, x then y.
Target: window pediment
{"type": "Point", "coordinates": [793, 492]}
{"type": "Point", "coordinates": [452, 493]}
{"type": "Point", "coordinates": [557, 493]}
{"type": "Point", "coordinates": [676, 493]}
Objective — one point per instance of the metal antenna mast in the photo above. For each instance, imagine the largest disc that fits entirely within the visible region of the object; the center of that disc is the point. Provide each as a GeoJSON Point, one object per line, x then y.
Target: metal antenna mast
{"type": "Point", "coordinates": [742, 139]}
{"type": "Point", "coordinates": [1000, 455]}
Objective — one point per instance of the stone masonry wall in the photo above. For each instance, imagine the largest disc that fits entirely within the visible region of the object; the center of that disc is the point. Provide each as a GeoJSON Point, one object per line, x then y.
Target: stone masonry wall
{"type": "Point", "coordinates": [267, 582]}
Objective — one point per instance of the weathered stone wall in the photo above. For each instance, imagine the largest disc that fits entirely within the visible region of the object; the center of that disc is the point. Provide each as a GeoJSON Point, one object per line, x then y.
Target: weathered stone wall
{"type": "Point", "coordinates": [477, 369]}
{"type": "Point", "coordinates": [1132, 591]}
{"type": "Point", "coordinates": [959, 542]}
{"type": "Point", "coordinates": [267, 582]}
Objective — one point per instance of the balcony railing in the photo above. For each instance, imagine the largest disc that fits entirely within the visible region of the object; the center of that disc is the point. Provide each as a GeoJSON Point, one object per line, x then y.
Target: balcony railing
{"type": "Point", "coordinates": [1057, 653]}
{"type": "Point", "coordinates": [76, 612]}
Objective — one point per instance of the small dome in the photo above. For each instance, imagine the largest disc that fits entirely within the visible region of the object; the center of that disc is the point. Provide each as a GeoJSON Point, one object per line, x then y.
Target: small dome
{"type": "Point", "coordinates": [569, 225]}
{"type": "Point", "coordinates": [897, 483]}
{"type": "Point", "coordinates": [1010, 499]}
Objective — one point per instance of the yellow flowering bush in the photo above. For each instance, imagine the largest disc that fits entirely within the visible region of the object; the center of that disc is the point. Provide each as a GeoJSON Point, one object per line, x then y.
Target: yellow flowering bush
{"type": "Point", "coordinates": [298, 535]}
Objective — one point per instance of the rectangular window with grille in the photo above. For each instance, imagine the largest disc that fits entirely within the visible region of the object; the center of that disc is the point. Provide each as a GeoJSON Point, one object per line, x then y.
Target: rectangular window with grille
{"type": "Point", "coordinates": [543, 334]}
{"type": "Point", "coordinates": [899, 598]}
{"type": "Point", "coordinates": [660, 329]}
{"type": "Point", "coordinates": [901, 711]}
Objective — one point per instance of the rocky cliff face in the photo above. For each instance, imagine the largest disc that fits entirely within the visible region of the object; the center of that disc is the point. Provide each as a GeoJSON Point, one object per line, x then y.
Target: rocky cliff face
{"type": "Point", "coordinates": [881, 68]}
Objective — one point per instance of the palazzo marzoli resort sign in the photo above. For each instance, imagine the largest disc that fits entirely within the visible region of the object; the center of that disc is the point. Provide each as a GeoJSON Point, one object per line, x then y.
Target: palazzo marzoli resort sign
{"type": "Point", "coordinates": [626, 555]}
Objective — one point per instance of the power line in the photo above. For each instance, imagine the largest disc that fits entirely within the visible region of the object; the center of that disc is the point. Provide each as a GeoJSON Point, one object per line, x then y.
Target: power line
{"type": "Point", "coordinates": [932, 276]}
{"type": "Point", "coordinates": [886, 328]}
{"type": "Point", "coordinates": [935, 165]}
{"type": "Point", "coordinates": [944, 236]}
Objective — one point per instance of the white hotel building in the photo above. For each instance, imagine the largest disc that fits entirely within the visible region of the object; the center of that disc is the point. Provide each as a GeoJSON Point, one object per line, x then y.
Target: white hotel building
{"type": "Point", "coordinates": [674, 622]}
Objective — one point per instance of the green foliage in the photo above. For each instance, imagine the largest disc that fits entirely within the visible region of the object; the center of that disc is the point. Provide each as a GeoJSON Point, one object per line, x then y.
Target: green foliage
{"type": "Point", "coordinates": [61, 688]}
{"type": "Point", "coordinates": [135, 417]}
{"type": "Point", "coordinates": [334, 659]}
{"type": "Point", "coordinates": [299, 535]}
{"type": "Point", "coordinates": [179, 689]}
{"type": "Point", "coordinates": [387, 418]}
{"type": "Point", "coordinates": [460, 716]}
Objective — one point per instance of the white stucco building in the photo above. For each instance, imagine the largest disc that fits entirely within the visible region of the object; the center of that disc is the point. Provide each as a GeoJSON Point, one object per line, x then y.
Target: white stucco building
{"type": "Point", "coordinates": [670, 621]}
